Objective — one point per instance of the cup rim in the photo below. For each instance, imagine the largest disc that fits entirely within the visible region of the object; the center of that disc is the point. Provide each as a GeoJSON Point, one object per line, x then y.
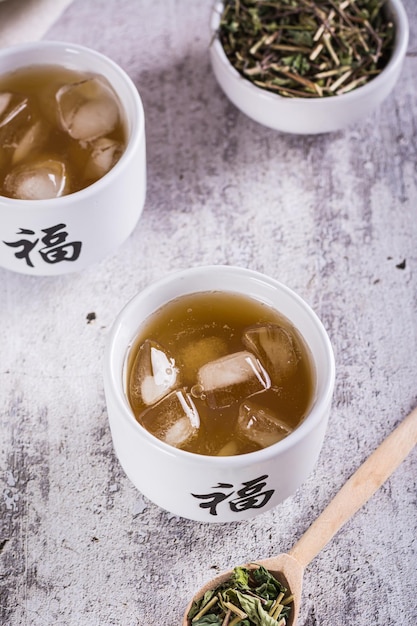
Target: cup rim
{"type": "Point", "coordinates": [135, 135]}
{"type": "Point", "coordinates": [402, 27]}
{"type": "Point", "coordinates": [114, 384]}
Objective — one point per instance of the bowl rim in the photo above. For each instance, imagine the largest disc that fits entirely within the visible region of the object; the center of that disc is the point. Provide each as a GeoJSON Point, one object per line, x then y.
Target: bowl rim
{"type": "Point", "coordinates": [114, 384]}
{"type": "Point", "coordinates": [402, 29]}
{"type": "Point", "coordinates": [136, 131]}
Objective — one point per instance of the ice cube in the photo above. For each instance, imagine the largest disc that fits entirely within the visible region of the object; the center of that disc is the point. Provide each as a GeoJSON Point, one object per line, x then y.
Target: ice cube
{"type": "Point", "coordinates": [174, 419]}
{"type": "Point", "coordinates": [88, 109]}
{"type": "Point", "coordinates": [34, 137]}
{"type": "Point", "coordinates": [198, 352]}
{"type": "Point", "coordinates": [274, 347]}
{"type": "Point", "coordinates": [18, 131]}
{"type": "Point", "coordinates": [154, 374]}
{"type": "Point", "coordinates": [10, 107]}
{"type": "Point", "coordinates": [39, 181]}
{"type": "Point", "coordinates": [104, 154]}
{"type": "Point", "coordinates": [231, 378]}
{"type": "Point", "coordinates": [229, 449]}
{"type": "Point", "coordinates": [4, 103]}
{"type": "Point", "coordinates": [260, 424]}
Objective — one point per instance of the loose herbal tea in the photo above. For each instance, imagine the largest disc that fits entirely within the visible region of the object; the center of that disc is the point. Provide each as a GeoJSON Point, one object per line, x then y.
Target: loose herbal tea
{"type": "Point", "coordinates": [250, 597]}
{"type": "Point", "coordinates": [219, 374]}
{"type": "Point", "coordinates": [307, 48]}
{"type": "Point", "coordinates": [60, 131]}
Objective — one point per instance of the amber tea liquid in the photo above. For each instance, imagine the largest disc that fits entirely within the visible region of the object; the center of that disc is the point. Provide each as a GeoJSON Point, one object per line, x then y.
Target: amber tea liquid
{"type": "Point", "coordinates": [60, 131]}
{"type": "Point", "coordinates": [219, 374]}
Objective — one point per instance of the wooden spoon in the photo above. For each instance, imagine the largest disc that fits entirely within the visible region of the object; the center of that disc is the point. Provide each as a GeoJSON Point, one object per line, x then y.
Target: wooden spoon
{"type": "Point", "coordinates": [289, 568]}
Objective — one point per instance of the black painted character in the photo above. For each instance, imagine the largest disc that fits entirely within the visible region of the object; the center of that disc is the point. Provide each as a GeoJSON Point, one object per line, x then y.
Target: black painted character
{"type": "Point", "coordinates": [250, 496]}
{"type": "Point", "coordinates": [26, 245]}
{"type": "Point", "coordinates": [54, 248]}
{"type": "Point", "coordinates": [213, 499]}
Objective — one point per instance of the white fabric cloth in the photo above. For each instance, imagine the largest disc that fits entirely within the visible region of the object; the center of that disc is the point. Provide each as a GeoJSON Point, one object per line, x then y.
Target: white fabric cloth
{"type": "Point", "coordinates": [27, 20]}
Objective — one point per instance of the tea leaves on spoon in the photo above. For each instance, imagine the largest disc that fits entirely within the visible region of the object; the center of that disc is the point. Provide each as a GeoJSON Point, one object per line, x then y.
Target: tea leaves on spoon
{"type": "Point", "coordinates": [251, 597]}
{"type": "Point", "coordinates": [307, 48]}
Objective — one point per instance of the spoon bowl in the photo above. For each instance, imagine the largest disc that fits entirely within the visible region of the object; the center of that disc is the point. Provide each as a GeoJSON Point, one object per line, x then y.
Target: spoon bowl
{"type": "Point", "coordinates": [284, 567]}
{"type": "Point", "coordinates": [288, 568]}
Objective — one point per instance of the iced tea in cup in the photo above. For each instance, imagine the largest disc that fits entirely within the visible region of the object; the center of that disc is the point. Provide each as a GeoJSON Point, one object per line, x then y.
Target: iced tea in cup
{"type": "Point", "coordinates": [235, 379]}
{"type": "Point", "coordinates": [72, 165]}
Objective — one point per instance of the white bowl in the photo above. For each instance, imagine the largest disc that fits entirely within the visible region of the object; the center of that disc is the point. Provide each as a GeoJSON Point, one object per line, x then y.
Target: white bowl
{"type": "Point", "coordinates": [182, 482]}
{"type": "Point", "coordinates": [69, 233]}
{"type": "Point", "coordinates": [312, 115]}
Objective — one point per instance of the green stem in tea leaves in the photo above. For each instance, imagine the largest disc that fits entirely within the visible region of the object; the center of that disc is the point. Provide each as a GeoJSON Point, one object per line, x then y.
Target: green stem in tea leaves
{"type": "Point", "coordinates": [307, 48]}
{"type": "Point", "coordinates": [205, 608]}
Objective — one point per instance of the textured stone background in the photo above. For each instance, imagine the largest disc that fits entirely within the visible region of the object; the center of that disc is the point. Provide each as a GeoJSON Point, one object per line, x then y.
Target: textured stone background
{"type": "Point", "coordinates": [335, 218]}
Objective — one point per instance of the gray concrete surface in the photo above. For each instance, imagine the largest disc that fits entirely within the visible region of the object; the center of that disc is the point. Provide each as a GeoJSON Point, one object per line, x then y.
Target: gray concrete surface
{"type": "Point", "coordinates": [335, 218]}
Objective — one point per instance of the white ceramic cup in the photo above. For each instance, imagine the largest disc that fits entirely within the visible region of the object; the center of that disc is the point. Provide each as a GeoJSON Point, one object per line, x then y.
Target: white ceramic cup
{"type": "Point", "coordinates": [235, 487]}
{"type": "Point", "coordinates": [69, 233]}
{"type": "Point", "coordinates": [309, 115]}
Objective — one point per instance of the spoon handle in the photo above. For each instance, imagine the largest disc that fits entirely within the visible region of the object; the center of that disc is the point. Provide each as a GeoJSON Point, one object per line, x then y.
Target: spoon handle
{"type": "Point", "coordinates": [358, 489]}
